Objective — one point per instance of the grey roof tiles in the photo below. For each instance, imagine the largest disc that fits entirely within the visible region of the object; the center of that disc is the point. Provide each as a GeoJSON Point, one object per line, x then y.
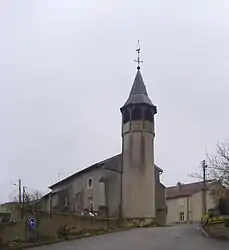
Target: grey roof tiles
{"type": "Point", "coordinates": [138, 93]}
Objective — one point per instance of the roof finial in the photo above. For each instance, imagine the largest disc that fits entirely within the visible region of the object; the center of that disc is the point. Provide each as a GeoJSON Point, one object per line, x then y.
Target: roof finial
{"type": "Point", "coordinates": [138, 58]}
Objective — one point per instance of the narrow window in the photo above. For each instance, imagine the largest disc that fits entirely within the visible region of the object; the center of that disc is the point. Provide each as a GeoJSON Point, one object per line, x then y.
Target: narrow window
{"type": "Point", "coordinates": [181, 216]}
{"type": "Point", "coordinates": [148, 115]}
{"type": "Point", "coordinates": [90, 183]}
{"type": "Point", "coordinates": [126, 116]}
{"type": "Point", "coordinates": [136, 114]}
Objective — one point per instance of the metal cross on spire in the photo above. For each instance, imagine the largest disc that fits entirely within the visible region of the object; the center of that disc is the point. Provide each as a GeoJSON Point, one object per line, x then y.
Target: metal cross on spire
{"type": "Point", "coordinates": [138, 57]}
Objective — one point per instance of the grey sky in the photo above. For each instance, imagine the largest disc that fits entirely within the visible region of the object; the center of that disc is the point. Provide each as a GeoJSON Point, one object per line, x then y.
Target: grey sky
{"type": "Point", "coordinates": [67, 67]}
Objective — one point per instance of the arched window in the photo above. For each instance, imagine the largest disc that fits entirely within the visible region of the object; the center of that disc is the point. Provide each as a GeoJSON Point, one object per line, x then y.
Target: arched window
{"type": "Point", "coordinates": [181, 216]}
{"type": "Point", "coordinates": [126, 116]}
{"type": "Point", "coordinates": [136, 114]}
{"type": "Point", "coordinates": [148, 115]}
{"type": "Point", "coordinates": [90, 183]}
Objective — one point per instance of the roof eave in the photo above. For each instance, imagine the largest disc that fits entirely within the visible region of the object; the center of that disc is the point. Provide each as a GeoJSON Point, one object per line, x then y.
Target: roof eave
{"type": "Point", "coordinates": [178, 196]}
{"type": "Point", "coordinates": [73, 175]}
{"type": "Point", "coordinates": [140, 103]}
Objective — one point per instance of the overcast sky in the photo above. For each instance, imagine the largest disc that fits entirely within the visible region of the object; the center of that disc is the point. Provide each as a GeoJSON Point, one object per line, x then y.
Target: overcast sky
{"type": "Point", "coordinates": [68, 66]}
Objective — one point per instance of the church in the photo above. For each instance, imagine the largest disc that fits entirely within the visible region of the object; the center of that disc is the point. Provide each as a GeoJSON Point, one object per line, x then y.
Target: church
{"type": "Point", "coordinates": [126, 185]}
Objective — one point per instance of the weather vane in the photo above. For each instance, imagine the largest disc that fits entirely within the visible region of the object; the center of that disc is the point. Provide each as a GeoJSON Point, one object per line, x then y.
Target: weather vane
{"type": "Point", "coordinates": [138, 58]}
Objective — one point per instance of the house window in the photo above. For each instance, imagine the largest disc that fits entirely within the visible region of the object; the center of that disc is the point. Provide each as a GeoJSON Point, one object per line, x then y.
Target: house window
{"type": "Point", "coordinates": [90, 183]}
{"type": "Point", "coordinates": [181, 216]}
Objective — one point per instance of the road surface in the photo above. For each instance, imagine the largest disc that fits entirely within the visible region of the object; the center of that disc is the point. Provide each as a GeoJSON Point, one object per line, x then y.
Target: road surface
{"type": "Point", "coordinates": [182, 237]}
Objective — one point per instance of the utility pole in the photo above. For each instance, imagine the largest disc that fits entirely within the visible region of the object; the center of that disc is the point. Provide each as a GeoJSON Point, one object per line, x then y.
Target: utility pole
{"type": "Point", "coordinates": [23, 201]}
{"type": "Point", "coordinates": [204, 166]}
{"type": "Point", "coordinates": [23, 196]}
{"type": "Point", "coordinates": [19, 190]}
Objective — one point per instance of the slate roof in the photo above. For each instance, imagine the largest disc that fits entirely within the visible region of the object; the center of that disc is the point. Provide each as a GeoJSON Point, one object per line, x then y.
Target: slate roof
{"type": "Point", "coordinates": [46, 195]}
{"type": "Point", "coordinates": [112, 163]}
{"type": "Point", "coordinates": [138, 93]}
{"type": "Point", "coordinates": [184, 190]}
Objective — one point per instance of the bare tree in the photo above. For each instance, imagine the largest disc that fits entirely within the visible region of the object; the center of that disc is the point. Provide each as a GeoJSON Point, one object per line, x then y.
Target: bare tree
{"type": "Point", "coordinates": [218, 163]}
{"type": "Point", "coordinates": [217, 170]}
{"type": "Point", "coordinates": [30, 196]}
{"type": "Point", "coordinates": [36, 195]}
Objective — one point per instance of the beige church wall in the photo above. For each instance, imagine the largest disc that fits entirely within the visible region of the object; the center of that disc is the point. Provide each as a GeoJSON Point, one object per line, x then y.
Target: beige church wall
{"type": "Point", "coordinates": [54, 199]}
{"type": "Point", "coordinates": [113, 192]}
{"type": "Point", "coordinates": [101, 194]}
{"type": "Point", "coordinates": [160, 196]}
{"type": "Point", "coordinates": [79, 184]}
{"type": "Point", "coordinates": [113, 188]}
{"type": "Point", "coordinates": [160, 204]}
{"type": "Point", "coordinates": [61, 186]}
{"type": "Point", "coordinates": [148, 126]}
{"type": "Point", "coordinates": [150, 173]}
{"type": "Point", "coordinates": [45, 203]}
{"type": "Point", "coordinates": [109, 196]}
{"type": "Point", "coordinates": [138, 175]}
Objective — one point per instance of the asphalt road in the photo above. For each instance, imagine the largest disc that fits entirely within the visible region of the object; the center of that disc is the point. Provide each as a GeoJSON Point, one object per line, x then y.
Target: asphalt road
{"type": "Point", "coordinates": [183, 237]}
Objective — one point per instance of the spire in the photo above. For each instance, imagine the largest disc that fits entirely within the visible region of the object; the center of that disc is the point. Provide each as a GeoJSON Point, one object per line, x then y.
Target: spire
{"type": "Point", "coordinates": [138, 85]}
{"type": "Point", "coordinates": [138, 93]}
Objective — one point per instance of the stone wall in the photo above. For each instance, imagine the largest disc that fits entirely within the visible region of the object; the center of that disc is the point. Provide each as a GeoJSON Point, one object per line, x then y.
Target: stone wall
{"type": "Point", "coordinates": [217, 231]}
{"type": "Point", "coordinates": [12, 231]}
{"type": "Point", "coordinates": [48, 227]}
{"type": "Point", "coordinates": [216, 227]}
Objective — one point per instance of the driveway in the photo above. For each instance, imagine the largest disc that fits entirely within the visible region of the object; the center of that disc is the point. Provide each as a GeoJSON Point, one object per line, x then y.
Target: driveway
{"type": "Point", "coordinates": [183, 237]}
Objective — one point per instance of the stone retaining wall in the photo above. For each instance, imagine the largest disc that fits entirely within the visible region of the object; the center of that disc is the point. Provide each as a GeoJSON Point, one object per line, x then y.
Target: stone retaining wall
{"type": "Point", "coordinates": [217, 230]}
{"type": "Point", "coordinates": [48, 227]}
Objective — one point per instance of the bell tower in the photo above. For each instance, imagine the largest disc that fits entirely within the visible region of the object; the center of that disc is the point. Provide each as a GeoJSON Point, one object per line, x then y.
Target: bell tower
{"type": "Point", "coordinates": [138, 171]}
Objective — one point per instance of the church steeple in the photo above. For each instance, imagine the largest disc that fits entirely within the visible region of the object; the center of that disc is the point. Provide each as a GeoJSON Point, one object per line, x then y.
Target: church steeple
{"type": "Point", "coordinates": [138, 171]}
{"type": "Point", "coordinates": [138, 93]}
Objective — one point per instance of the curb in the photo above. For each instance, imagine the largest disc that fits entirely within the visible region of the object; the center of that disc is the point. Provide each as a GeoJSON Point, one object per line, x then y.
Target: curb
{"type": "Point", "coordinates": [38, 244]}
